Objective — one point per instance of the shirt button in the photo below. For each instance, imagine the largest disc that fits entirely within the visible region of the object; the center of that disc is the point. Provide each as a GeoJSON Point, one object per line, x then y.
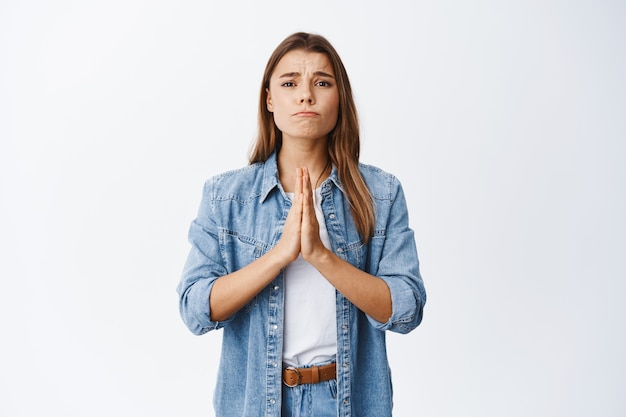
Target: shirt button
{"type": "Point", "coordinates": [275, 327]}
{"type": "Point", "coordinates": [272, 401]}
{"type": "Point", "coordinates": [275, 365]}
{"type": "Point", "coordinates": [275, 287]}
{"type": "Point", "coordinates": [340, 250]}
{"type": "Point", "coordinates": [332, 215]}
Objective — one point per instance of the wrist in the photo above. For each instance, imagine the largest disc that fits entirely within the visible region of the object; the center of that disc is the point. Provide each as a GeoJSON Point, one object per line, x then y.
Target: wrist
{"type": "Point", "coordinates": [278, 258]}
{"type": "Point", "coordinates": [320, 258]}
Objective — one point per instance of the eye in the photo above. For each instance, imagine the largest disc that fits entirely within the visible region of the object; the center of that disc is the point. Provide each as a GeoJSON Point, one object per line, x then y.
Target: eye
{"type": "Point", "coordinates": [323, 84]}
{"type": "Point", "coordinates": [288, 84]}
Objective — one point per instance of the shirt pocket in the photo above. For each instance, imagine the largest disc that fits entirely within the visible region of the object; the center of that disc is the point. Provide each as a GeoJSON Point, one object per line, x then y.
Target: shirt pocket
{"type": "Point", "coordinates": [238, 250]}
{"type": "Point", "coordinates": [355, 253]}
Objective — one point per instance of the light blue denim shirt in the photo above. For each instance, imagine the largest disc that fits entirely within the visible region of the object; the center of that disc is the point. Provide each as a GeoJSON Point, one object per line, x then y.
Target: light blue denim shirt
{"type": "Point", "coordinates": [241, 217]}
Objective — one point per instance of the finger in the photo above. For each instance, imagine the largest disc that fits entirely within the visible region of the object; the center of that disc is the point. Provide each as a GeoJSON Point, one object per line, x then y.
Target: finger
{"type": "Point", "coordinates": [306, 193]}
{"type": "Point", "coordinates": [306, 181]}
{"type": "Point", "coordinates": [308, 209]}
{"type": "Point", "coordinates": [306, 199]}
{"type": "Point", "coordinates": [297, 197]}
{"type": "Point", "coordinates": [298, 187]}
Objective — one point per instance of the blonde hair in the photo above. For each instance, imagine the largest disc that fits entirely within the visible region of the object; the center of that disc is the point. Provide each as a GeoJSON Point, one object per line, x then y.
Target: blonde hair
{"type": "Point", "coordinates": [343, 140]}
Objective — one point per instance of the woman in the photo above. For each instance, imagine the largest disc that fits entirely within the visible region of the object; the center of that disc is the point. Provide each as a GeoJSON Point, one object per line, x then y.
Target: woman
{"type": "Point", "coordinates": [305, 256]}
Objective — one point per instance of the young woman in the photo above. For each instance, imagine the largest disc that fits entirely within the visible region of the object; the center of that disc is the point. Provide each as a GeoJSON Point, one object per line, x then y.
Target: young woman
{"type": "Point", "coordinates": [305, 257]}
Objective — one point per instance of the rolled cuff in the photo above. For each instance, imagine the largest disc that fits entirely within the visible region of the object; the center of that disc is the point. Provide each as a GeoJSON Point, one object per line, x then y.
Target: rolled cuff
{"type": "Point", "coordinates": [407, 307]}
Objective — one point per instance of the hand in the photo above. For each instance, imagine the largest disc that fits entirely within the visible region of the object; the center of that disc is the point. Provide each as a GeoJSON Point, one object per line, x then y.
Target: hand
{"type": "Point", "coordinates": [289, 244]}
{"type": "Point", "coordinates": [311, 244]}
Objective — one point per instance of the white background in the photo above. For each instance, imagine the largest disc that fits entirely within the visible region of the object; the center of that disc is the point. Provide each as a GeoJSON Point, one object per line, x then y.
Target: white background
{"type": "Point", "coordinates": [504, 120]}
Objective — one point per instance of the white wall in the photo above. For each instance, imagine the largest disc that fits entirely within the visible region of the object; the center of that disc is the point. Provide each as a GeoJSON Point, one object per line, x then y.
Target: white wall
{"type": "Point", "coordinates": [504, 120]}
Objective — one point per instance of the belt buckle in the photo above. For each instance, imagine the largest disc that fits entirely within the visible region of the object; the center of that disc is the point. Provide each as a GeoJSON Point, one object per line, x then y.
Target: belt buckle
{"type": "Point", "coordinates": [292, 368]}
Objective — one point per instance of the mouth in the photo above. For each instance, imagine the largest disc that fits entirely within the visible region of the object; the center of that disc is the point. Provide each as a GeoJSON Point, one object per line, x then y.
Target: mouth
{"type": "Point", "coordinates": [306, 114]}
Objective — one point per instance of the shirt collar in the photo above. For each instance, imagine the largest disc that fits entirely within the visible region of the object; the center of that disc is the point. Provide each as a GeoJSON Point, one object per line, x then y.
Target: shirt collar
{"type": "Point", "coordinates": [271, 180]}
{"type": "Point", "coordinates": [270, 176]}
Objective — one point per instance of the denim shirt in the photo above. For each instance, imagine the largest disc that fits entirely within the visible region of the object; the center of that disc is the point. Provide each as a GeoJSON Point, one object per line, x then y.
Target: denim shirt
{"type": "Point", "coordinates": [241, 217]}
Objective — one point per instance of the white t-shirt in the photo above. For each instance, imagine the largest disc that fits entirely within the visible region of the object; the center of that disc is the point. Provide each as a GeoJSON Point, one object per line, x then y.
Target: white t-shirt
{"type": "Point", "coordinates": [310, 327]}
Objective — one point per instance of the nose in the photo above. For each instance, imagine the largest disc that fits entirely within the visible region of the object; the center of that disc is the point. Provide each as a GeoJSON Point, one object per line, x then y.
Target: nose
{"type": "Point", "coordinates": [306, 95]}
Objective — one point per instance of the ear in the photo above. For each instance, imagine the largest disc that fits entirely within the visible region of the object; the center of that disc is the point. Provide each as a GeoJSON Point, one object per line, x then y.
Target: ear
{"type": "Point", "coordinates": [268, 100]}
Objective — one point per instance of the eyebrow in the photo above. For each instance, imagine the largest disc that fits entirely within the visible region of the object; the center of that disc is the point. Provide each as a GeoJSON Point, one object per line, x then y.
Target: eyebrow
{"type": "Point", "coordinates": [297, 74]}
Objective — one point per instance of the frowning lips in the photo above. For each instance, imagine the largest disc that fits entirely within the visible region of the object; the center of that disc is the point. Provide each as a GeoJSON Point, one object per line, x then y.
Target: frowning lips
{"type": "Point", "coordinates": [306, 113]}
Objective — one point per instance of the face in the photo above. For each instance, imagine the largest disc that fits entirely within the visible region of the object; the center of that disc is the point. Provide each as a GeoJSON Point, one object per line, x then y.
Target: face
{"type": "Point", "coordinates": [303, 96]}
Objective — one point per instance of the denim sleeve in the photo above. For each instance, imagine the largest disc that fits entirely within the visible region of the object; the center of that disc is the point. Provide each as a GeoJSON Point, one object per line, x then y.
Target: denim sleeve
{"type": "Point", "coordinates": [203, 266]}
{"type": "Point", "coordinates": [398, 266]}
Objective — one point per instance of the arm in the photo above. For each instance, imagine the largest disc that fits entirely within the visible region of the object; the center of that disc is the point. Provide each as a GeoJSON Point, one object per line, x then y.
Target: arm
{"type": "Point", "coordinates": [368, 292]}
{"type": "Point", "coordinates": [231, 292]}
{"type": "Point", "coordinates": [394, 297]}
{"type": "Point", "coordinates": [208, 294]}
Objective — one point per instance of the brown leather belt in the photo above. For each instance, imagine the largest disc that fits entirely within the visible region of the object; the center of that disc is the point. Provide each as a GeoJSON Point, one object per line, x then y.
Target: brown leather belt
{"type": "Point", "coordinates": [292, 377]}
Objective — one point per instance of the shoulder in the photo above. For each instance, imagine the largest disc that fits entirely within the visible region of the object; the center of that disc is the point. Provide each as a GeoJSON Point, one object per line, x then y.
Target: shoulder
{"type": "Point", "coordinates": [238, 184]}
{"type": "Point", "coordinates": [382, 184]}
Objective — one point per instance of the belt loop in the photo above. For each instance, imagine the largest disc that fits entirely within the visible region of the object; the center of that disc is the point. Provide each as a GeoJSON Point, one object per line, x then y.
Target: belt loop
{"type": "Point", "coordinates": [315, 374]}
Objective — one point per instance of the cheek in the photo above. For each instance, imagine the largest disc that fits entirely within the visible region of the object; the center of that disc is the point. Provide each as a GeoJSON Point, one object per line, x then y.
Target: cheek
{"type": "Point", "coordinates": [335, 108]}
{"type": "Point", "coordinates": [280, 118]}
{"type": "Point", "coordinates": [334, 101]}
{"type": "Point", "coordinates": [276, 108]}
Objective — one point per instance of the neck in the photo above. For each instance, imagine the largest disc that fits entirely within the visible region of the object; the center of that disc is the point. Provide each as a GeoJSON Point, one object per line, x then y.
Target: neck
{"type": "Point", "coordinates": [312, 156]}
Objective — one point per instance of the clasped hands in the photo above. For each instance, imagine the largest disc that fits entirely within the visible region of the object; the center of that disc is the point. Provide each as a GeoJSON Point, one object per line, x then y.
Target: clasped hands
{"type": "Point", "coordinates": [301, 231]}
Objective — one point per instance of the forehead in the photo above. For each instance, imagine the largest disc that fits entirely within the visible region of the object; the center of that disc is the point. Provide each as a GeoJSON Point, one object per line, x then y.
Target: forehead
{"type": "Point", "coordinates": [300, 61]}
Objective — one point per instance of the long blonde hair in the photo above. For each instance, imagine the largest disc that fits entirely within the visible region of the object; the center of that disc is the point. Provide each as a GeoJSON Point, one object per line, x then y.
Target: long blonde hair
{"type": "Point", "coordinates": [343, 141]}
